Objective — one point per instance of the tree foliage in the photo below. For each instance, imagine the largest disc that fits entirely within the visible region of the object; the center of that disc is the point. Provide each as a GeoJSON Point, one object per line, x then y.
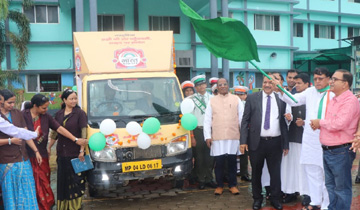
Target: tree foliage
{"type": "Point", "coordinates": [4, 9]}
{"type": "Point", "coordinates": [20, 40]}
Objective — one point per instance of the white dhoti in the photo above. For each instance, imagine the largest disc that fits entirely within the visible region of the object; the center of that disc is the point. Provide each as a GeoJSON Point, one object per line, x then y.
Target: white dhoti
{"type": "Point", "coordinates": [293, 176]}
{"type": "Point", "coordinates": [316, 182]}
{"type": "Point", "coordinates": [312, 160]}
{"type": "Point", "coordinates": [311, 152]}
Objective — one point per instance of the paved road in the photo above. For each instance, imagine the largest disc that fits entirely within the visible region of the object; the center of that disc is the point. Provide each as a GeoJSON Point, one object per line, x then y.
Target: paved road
{"type": "Point", "coordinates": [160, 194]}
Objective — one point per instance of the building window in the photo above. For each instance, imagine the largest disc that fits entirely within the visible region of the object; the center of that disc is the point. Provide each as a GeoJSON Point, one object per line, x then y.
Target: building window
{"type": "Point", "coordinates": [267, 22]}
{"type": "Point", "coordinates": [42, 14]}
{"type": "Point", "coordinates": [298, 30]}
{"type": "Point", "coordinates": [111, 22]}
{"type": "Point", "coordinates": [164, 23]}
{"type": "Point", "coordinates": [352, 32]}
{"type": "Point", "coordinates": [355, 1]}
{"type": "Point", "coordinates": [325, 32]}
{"type": "Point", "coordinates": [43, 83]}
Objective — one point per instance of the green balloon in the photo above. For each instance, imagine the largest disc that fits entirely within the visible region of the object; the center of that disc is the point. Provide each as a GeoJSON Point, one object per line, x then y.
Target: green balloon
{"type": "Point", "coordinates": [151, 125]}
{"type": "Point", "coordinates": [97, 141]}
{"type": "Point", "coordinates": [74, 88]}
{"type": "Point", "coordinates": [189, 122]}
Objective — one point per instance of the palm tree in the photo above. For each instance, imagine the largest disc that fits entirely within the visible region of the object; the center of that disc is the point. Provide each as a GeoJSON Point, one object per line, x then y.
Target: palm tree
{"type": "Point", "coordinates": [19, 41]}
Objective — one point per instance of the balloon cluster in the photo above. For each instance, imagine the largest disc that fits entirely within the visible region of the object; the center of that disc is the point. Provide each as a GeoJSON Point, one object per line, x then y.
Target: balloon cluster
{"type": "Point", "coordinates": [97, 141]}
{"type": "Point", "coordinates": [188, 120]}
{"type": "Point", "coordinates": [150, 126]}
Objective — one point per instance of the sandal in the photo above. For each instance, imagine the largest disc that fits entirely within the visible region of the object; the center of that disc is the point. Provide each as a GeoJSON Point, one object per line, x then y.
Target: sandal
{"type": "Point", "coordinates": [311, 207]}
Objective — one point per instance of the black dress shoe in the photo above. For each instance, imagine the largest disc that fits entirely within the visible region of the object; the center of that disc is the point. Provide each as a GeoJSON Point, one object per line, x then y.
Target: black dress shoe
{"type": "Point", "coordinates": [246, 178]}
{"type": "Point", "coordinates": [257, 204]}
{"type": "Point", "coordinates": [357, 180]}
{"type": "Point", "coordinates": [276, 204]}
{"type": "Point", "coordinates": [201, 185]}
{"type": "Point", "coordinates": [306, 200]}
{"type": "Point", "coordinates": [211, 184]}
{"type": "Point", "coordinates": [289, 198]}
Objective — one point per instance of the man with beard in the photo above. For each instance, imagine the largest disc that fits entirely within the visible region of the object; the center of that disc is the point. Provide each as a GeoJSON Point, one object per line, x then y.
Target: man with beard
{"type": "Point", "coordinates": [290, 80]}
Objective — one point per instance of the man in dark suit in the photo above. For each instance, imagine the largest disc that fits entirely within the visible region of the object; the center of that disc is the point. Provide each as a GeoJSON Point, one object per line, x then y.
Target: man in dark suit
{"type": "Point", "coordinates": [264, 134]}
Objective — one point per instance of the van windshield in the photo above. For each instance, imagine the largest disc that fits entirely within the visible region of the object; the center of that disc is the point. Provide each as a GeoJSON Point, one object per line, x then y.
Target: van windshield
{"type": "Point", "coordinates": [129, 99]}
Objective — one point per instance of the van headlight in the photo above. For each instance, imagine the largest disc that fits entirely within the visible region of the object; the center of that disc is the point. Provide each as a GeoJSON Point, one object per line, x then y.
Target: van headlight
{"type": "Point", "coordinates": [105, 155]}
{"type": "Point", "coordinates": [177, 145]}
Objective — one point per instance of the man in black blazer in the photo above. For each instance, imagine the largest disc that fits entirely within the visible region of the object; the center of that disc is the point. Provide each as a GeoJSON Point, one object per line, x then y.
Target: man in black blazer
{"type": "Point", "coordinates": [264, 134]}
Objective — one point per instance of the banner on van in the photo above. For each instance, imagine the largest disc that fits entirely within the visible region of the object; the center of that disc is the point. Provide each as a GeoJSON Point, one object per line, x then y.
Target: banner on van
{"type": "Point", "coordinates": [123, 51]}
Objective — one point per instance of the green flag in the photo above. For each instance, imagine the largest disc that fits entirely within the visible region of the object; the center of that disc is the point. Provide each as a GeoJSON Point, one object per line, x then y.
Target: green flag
{"type": "Point", "coordinates": [223, 37]}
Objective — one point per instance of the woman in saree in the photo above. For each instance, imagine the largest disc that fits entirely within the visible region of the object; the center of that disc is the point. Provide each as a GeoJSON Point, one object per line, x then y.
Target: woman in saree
{"type": "Point", "coordinates": [35, 115]}
{"type": "Point", "coordinates": [16, 176]}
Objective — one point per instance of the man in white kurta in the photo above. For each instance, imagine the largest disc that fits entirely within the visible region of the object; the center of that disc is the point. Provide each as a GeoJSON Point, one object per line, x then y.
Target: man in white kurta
{"type": "Point", "coordinates": [316, 99]}
{"type": "Point", "coordinates": [222, 133]}
{"type": "Point", "coordinates": [293, 176]}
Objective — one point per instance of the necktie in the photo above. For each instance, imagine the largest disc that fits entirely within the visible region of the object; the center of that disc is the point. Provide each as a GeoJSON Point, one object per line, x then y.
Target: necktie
{"type": "Point", "coordinates": [267, 113]}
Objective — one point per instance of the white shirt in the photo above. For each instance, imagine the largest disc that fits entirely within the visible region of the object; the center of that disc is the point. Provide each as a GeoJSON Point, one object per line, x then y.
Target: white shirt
{"type": "Point", "coordinates": [222, 147]}
{"type": "Point", "coordinates": [197, 112]}
{"type": "Point", "coordinates": [274, 129]}
{"type": "Point", "coordinates": [311, 152]}
{"type": "Point", "coordinates": [16, 132]}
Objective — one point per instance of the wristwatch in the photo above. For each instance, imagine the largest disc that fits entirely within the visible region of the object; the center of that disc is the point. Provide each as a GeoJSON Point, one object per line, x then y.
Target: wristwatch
{"type": "Point", "coordinates": [76, 139]}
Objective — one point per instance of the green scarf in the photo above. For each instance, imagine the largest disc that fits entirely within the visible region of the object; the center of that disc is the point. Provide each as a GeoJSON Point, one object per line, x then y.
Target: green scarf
{"type": "Point", "coordinates": [322, 100]}
{"type": "Point", "coordinates": [324, 89]}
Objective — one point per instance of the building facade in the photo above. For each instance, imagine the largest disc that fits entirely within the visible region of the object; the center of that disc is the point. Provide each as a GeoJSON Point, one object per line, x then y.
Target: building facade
{"type": "Point", "coordinates": [283, 30]}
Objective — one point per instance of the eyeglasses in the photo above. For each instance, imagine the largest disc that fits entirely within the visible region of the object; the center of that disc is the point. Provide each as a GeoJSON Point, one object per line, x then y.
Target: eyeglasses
{"type": "Point", "coordinates": [319, 79]}
{"type": "Point", "coordinates": [334, 79]}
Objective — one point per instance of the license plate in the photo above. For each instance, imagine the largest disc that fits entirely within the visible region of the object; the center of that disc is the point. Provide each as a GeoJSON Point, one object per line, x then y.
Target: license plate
{"type": "Point", "coordinates": [141, 165]}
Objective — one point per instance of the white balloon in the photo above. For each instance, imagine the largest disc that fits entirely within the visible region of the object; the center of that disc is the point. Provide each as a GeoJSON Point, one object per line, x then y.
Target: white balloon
{"type": "Point", "coordinates": [187, 106]}
{"type": "Point", "coordinates": [133, 128]}
{"type": "Point", "coordinates": [107, 126]}
{"type": "Point", "coordinates": [143, 141]}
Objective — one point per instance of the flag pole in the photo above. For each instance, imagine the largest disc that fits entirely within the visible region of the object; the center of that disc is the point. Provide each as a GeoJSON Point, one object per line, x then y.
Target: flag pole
{"type": "Point", "coordinates": [266, 75]}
